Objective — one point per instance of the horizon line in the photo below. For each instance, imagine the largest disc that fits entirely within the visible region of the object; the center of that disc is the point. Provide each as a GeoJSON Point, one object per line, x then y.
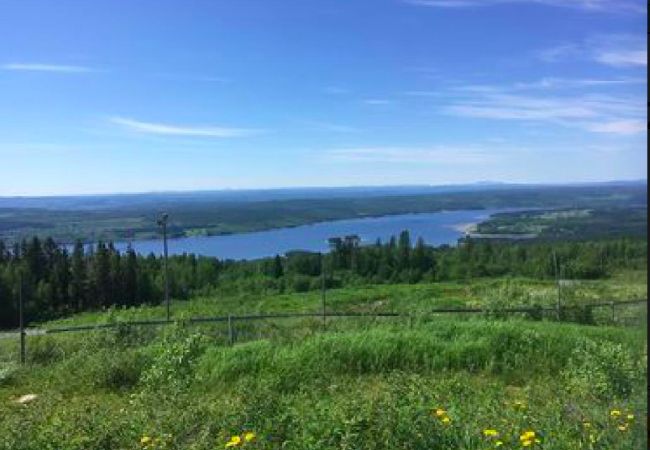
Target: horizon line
{"type": "Point", "coordinates": [479, 183]}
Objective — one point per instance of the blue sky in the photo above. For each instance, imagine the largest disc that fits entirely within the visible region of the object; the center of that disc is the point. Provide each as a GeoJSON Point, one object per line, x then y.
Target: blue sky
{"type": "Point", "coordinates": [126, 96]}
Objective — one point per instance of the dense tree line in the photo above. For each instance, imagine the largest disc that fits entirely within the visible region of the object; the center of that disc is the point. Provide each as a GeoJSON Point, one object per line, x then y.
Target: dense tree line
{"type": "Point", "coordinates": [57, 281]}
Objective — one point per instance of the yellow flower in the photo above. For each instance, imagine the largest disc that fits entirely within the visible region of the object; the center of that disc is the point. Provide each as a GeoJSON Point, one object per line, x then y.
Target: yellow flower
{"type": "Point", "coordinates": [440, 412]}
{"type": "Point", "coordinates": [498, 443]}
{"type": "Point", "coordinates": [527, 443]}
{"type": "Point", "coordinates": [446, 420]}
{"type": "Point", "coordinates": [527, 436]}
{"type": "Point", "coordinates": [249, 437]}
{"type": "Point", "coordinates": [622, 427]}
{"type": "Point", "coordinates": [630, 417]}
{"type": "Point", "coordinates": [233, 442]}
{"type": "Point", "coordinates": [490, 432]}
{"type": "Point", "coordinates": [145, 440]}
{"type": "Point", "coordinates": [615, 413]}
{"type": "Point", "coordinates": [586, 424]}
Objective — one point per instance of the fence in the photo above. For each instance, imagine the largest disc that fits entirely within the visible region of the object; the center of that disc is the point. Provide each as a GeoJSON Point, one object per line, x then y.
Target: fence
{"type": "Point", "coordinates": [576, 313]}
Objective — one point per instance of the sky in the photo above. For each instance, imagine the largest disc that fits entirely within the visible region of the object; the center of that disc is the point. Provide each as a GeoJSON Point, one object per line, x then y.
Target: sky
{"type": "Point", "coordinates": [108, 96]}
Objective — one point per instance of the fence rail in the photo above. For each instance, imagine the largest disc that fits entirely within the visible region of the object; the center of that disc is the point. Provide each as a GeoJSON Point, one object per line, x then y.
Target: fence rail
{"type": "Point", "coordinates": [252, 317]}
{"type": "Point", "coordinates": [232, 334]}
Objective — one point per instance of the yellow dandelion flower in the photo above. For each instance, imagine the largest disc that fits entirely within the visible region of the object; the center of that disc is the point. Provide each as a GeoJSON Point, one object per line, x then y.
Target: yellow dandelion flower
{"type": "Point", "coordinates": [490, 432]}
{"type": "Point", "coordinates": [527, 443]}
{"type": "Point", "coordinates": [622, 427]}
{"type": "Point", "coordinates": [498, 443]}
{"type": "Point", "coordinates": [527, 436]}
{"type": "Point", "coordinates": [249, 437]}
{"type": "Point", "coordinates": [615, 413]}
{"type": "Point", "coordinates": [233, 442]}
{"type": "Point", "coordinates": [630, 417]}
{"type": "Point", "coordinates": [446, 420]}
{"type": "Point", "coordinates": [439, 412]}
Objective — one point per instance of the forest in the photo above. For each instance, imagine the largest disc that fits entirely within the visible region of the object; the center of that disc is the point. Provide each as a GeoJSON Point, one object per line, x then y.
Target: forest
{"type": "Point", "coordinates": [54, 282]}
{"type": "Point", "coordinates": [134, 217]}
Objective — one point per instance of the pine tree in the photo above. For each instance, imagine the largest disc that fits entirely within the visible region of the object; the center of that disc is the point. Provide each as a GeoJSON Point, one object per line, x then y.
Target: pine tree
{"type": "Point", "coordinates": [78, 288]}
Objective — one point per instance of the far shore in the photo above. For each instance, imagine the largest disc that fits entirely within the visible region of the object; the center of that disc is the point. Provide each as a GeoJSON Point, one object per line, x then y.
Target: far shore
{"type": "Point", "coordinates": [469, 227]}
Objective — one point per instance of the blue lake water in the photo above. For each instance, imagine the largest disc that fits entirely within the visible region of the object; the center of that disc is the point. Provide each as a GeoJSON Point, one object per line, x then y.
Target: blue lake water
{"type": "Point", "coordinates": [435, 228]}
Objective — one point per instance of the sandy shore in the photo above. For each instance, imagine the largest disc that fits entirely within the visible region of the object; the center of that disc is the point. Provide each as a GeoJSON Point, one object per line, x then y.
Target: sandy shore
{"type": "Point", "coordinates": [465, 227]}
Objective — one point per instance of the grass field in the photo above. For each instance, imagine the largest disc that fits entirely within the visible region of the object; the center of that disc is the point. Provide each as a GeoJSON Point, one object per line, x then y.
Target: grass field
{"type": "Point", "coordinates": [444, 382]}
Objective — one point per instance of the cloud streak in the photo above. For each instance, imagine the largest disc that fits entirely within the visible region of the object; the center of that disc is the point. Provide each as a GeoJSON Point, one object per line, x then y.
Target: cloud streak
{"type": "Point", "coordinates": [58, 68]}
{"type": "Point", "coordinates": [182, 130]}
{"type": "Point", "coordinates": [588, 5]}
{"type": "Point", "coordinates": [599, 113]}
{"type": "Point", "coordinates": [619, 50]}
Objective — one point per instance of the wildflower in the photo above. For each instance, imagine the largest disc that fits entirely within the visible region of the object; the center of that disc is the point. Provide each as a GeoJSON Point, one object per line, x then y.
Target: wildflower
{"type": "Point", "coordinates": [233, 442]}
{"type": "Point", "coordinates": [498, 443]}
{"type": "Point", "coordinates": [249, 437]}
{"type": "Point", "coordinates": [446, 420]}
{"type": "Point", "coordinates": [615, 413]}
{"type": "Point", "coordinates": [490, 432]}
{"type": "Point", "coordinates": [622, 427]}
{"type": "Point", "coordinates": [630, 417]}
{"type": "Point", "coordinates": [440, 412]}
{"type": "Point", "coordinates": [527, 436]}
{"type": "Point", "coordinates": [145, 440]}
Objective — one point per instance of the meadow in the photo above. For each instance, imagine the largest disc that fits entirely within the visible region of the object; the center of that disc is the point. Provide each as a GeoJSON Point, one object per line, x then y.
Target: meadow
{"type": "Point", "coordinates": [472, 382]}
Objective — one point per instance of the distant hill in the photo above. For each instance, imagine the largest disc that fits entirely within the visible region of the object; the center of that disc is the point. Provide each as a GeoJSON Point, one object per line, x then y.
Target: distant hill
{"type": "Point", "coordinates": [112, 201]}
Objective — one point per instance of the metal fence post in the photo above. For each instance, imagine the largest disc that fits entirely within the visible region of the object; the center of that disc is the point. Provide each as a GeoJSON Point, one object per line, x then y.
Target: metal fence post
{"type": "Point", "coordinates": [21, 321]}
{"type": "Point", "coordinates": [230, 333]}
{"type": "Point", "coordinates": [323, 289]}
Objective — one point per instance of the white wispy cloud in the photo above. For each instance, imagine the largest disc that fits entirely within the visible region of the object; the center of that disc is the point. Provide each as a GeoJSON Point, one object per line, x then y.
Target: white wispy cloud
{"type": "Point", "coordinates": [429, 155]}
{"type": "Point", "coordinates": [34, 67]}
{"type": "Point", "coordinates": [622, 58]}
{"type": "Point", "coordinates": [618, 126]}
{"type": "Point", "coordinates": [618, 50]}
{"type": "Point", "coordinates": [182, 130]}
{"type": "Point", "coordinates": [589, 5]}
{"type": "Point", "coordinates": [618, 114]}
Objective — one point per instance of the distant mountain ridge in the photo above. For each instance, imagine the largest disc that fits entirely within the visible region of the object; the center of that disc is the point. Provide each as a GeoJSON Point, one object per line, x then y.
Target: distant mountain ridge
{"type": "Point", "coordinates": [111, 201]}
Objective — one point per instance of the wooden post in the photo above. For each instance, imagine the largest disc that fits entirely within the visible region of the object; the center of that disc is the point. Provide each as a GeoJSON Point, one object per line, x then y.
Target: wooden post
{"type": "Point", "coordinates": [230, 333]}
{"type": "Point", "coordinates": [20, 319]}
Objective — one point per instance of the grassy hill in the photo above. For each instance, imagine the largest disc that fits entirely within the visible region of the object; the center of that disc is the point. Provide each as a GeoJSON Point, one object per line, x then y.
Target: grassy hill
{"type": "Point", "coordinates": [434, 382]}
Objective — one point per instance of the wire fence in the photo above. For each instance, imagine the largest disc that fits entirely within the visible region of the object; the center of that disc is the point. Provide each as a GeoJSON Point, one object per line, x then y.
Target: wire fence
{"type": "Point", "coordinates": [236, 328]}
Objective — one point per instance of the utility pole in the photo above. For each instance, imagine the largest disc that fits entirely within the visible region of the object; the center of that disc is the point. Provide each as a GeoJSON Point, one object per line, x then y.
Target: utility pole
{"type": "Point", "coordinates": [163, 223]}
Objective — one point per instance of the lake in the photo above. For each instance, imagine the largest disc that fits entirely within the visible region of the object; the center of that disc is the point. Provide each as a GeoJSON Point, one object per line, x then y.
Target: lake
{"type": "Point", "coordinates": [435, 228]}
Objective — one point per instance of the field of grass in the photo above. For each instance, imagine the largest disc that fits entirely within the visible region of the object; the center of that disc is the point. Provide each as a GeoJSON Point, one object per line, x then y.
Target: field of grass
{"type": "Point", "coordinates": [415, 299]}
{"type": "Point", "coordinates": [444, 382]}
{"type": "Point", "coordinates": [361, 388]}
